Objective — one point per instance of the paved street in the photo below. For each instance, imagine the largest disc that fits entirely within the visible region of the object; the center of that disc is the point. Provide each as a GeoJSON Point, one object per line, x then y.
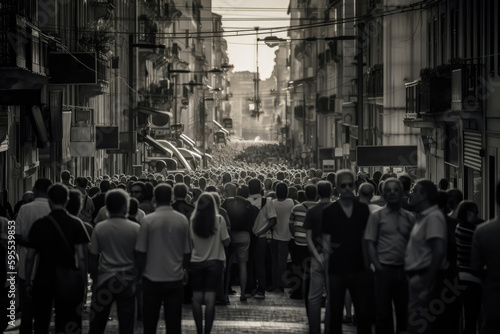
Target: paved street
{"type": "Point", "coordinates": [275, 314]}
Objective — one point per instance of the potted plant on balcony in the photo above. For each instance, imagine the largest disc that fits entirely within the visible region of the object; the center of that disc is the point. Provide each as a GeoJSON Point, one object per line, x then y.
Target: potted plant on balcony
{"type": "Point", "coordinates": [99, 37]}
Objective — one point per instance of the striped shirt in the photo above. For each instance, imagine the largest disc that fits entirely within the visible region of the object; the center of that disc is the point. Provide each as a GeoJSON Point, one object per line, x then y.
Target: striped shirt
{"type": "Point", "coordinates": [297, 219]}
{"type": "Point", "coordinates": [464, 234]}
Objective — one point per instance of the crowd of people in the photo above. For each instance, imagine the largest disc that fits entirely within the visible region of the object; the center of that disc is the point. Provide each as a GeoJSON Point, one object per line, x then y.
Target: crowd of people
{"type": "Point", "coordinates": [408, 256]}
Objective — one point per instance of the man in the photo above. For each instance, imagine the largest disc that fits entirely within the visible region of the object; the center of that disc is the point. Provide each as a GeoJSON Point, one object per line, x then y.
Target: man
{"type": "Point", "coordinates": [298, 245]}
{"type": "Point", "coordinates": [343, 226]}
{"type": "Point", "coordinates": [317, 281]}
{"type": "Point", "coordinates": [66, 179]}
{"type": "Point", "coordinates": [386, 235]}
{"type": "Point", "coordinates": [112, 262]}
{"type": "Point", "coordinates": [265, 220]}
{"type": "Point", "coordinates": [239, 212]}
{"type": "Point", "coordinates": [425, 258]}
{"type": "Point", "coordinates": [281, 236]}
{"type": "Point", "coordinates": [28, 197]}
{"type": "Point", "coordinates": [180, 204]}
{"type": "Point", "coordinates": [485, 250]}
{"type": "Point", "coordinates": [28, 214]}
{"type": "Point", "coordinates": [366, 191]}
{"type": "Point", "coordinates": [55, 237]}
{"type": "Point", "coordinates": [163, 254]}
{"type": "Point", "coordinates": [138, 190]}
{"type": "Point", "coordinates": [87, 204]}
{"type": "Point", "coordinates": [99, 198]}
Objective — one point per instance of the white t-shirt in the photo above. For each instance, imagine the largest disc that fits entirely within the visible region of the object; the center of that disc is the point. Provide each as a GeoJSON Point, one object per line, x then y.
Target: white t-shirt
{"type": "Point", "coordinates": [283, 210]}
{"type": "Point", "coordinates": [211, 248]}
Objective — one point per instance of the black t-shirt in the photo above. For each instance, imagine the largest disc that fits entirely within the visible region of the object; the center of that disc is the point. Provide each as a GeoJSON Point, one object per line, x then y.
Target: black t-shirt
{"type": "Point", "coordinates": [47, 240]}
{"type": "Point", "coordinates": [313, 222]}
{"type": "Point", "coordinates": [346, 235]}
{"type": "Point", "coordinates": [239, 212]}
{"type": "Point", "coordinates": [183, 207]}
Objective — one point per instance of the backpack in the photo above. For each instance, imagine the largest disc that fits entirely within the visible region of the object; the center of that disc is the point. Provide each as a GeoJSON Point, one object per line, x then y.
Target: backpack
{"type": "Point", "coordinates": [255, 213]}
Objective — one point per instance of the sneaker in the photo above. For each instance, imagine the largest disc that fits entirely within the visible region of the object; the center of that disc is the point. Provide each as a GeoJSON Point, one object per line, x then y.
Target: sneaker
{"type": "Point", "coordinates": [260, 295]}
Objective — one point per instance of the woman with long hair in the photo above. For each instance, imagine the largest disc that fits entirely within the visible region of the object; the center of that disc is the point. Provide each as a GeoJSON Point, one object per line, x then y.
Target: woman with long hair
{"type": "Point", "coordinates": [208, 237]}
{"type": "Point", "coordinates": [467, 217]}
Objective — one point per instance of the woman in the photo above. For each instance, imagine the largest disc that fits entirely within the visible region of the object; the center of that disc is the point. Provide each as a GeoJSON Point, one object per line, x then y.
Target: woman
{"type": "Point", "coordinates": [467, 217]}
{"type": "Point", "coordinates": [208, 237]}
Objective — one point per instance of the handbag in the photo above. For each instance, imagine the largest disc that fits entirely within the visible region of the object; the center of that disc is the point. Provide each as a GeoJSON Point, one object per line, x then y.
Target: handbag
{"type": "Point", "coordinates": [67, 278]}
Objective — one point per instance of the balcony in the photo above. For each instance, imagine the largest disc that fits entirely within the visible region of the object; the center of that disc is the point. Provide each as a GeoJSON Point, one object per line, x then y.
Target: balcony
{"type": "Point", "coordinates": [102, 84]}
{"type": "Point", "coordinates": [23, 52]}
{"type": "Point", "coordinates": [466, 88]}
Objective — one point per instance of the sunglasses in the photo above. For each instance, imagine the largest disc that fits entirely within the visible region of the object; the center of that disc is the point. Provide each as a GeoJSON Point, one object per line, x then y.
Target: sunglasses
{"type": "Point", "coordinates": [344, 185]}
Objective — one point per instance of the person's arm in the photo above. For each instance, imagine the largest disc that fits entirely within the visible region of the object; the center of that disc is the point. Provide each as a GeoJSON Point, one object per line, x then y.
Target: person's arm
{"type": "Point", "coordinates": [371, 255]}
{"type": "Point", "coordinates": [270, 224]}
{"type": "Point", "coordinates": [327, 249]}
{"type": "Point", "coordinates": [438, 251]}
{"type": "Point", "coordinates": [312, 248]}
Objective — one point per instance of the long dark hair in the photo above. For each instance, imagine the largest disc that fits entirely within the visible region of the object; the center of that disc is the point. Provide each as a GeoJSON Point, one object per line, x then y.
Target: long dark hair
{"type": "Point", "coordinates": [204, 216]}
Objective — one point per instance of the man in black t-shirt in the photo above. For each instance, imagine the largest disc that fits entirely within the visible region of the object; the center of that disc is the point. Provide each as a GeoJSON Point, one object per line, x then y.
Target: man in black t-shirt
{"type": "Point", "coordinates": [53, 251]}
{"type": "Point", "coordinates": [343, 226]}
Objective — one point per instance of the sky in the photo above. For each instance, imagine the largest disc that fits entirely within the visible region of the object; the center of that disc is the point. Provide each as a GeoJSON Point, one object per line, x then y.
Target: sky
{"type": "Point", "coordinates": [238, 15]}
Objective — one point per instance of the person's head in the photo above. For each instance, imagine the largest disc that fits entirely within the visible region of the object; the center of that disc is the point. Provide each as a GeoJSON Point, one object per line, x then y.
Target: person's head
{"type": "Point", "coordinates": [366, 191]}
{"type": "Point", "coordinates": [243, 191]}
{"type": "Point", "coordinates": [104, 186]}
{"type": "Point", "coordinates": [468, 212]}
{"type": "Point", "coordinates": [204, 216]}
{"type": "Point", "coordinates": [163, 193]}
{"type": "Point", "coordinates": [28, 197]}
{"type": "Point", "coordinates": [58, 196]}
{"type": "Point", "coordinates": [268, 183]}
{"type": "Point", "coordinates": [443, 184]}
{"type": "Point", "coordinates": [138, 190]}
{"type": "Point", "coordinates": [117, 201]}
{"type": "Point", "coordinates": [180, 191]}
{"type": "Point", "coordinates": [226, 177]}
{"type": "Point", "coordinates": [229, 190]}
{"type": "Point", "coordinates": [281, 191]}
{"type": "Point", "coordinates": [406, 182]}
{"type": "Point", "coordinates": [310, 192]}
{"type": "Point", "coordinates": [133, 207]}
{"type": "Point", "coordinates": [81, 182]}
{"type": "Point", "coordinates": [455, 196]}
{"type": "Point", "coordinates": [345, 183]}
{"type": "Point", "coordinates": [392, 191]}
{"type": "Point", "coordinates": [324, 189]}
{"type": "Point", "coordinates": [202, 182]}
{"type": "Point", "coordinates": [331, 178]}
{"type": "Point", "coordinates": [179, 178]}
{"type": "Point", "coordinates": [377, 175]}
{"type": "Point", "coordinates": [301, 196]}
{"type": "Point", "coordinates": [280, 176]}
{"type": "Point", "coordinates": [74, 204]}
{"type": "Point", "coordinates": [196, 194]}
{"type": "Point", "coordinates": [254, 186]}
{"type": "Point", "coordinates": [65, 176]}
{"type": "Point", "coordinates": [424, 195]}
{"type": "Point", "coordinates": [187, 180]}
{"type": "Point", "coordinates": [41, 187]}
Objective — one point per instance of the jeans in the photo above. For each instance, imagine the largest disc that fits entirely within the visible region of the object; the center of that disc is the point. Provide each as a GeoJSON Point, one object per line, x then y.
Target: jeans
{"type": "Point", "coordinates": [114, 289]}
{"type": "Point", "coordinates": [299, 276]}
{"type": "Point", "coordinates": [260, 263]}
{"type": "Point", "coordinates": [279, 253]}
{"type": "Point", "coordinates": [314, 297]}
{"type": "Point", "coordinates": [391, 286]}
{"type": "Point", "coordinates": [357, 283]}
{"type": "Point", "coordinates": [170, 295]}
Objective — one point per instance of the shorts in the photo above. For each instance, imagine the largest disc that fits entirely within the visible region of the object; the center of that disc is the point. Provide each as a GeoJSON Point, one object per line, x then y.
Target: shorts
{"type": "Point", "coordinates": [206, 276]}
{"type": "Point", "coordinates": [240, 251]}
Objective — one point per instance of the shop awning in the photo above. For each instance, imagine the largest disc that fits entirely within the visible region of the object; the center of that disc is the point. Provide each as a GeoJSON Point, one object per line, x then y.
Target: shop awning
{"type": "Point", "coordinates": [160, 117]}
{"type": "Point", "coordinates": [155, 144]}
{"type": "Point", "coordinates": [221, 128]}
{"type": "Point", "coordinates": [190, 143]}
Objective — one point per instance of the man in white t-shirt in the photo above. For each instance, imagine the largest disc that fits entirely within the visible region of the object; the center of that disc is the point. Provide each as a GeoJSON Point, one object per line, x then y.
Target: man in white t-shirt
{"type": "Point", "coordinates": [163, 253]}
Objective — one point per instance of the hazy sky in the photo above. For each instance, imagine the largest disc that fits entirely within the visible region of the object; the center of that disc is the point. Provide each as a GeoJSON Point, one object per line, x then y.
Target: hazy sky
{"type": "Point", "coordinates": [238, 15]}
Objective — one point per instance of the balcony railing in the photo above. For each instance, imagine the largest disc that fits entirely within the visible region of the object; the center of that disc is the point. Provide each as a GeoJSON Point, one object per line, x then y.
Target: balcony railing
{"type": "Point", "coordinates": [375, 81]}
{"type": "Point", "coordinates": [413, 99]}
